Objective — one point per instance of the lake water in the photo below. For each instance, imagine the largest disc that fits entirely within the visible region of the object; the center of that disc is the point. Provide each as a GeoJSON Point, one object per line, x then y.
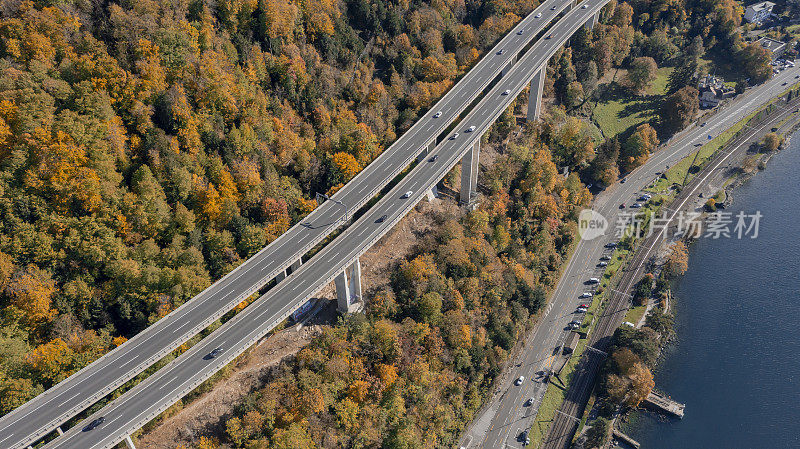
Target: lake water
{"type": "Point", "coordinates": [735, 362]}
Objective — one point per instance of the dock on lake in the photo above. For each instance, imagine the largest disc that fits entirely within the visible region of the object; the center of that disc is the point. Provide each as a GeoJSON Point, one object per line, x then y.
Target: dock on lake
{"type": "Point", "coordinates": [664, 404]}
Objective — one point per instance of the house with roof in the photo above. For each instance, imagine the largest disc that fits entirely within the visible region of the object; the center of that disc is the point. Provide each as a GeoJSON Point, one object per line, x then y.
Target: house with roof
{"type": "Point", "coordinates": [758, 12]}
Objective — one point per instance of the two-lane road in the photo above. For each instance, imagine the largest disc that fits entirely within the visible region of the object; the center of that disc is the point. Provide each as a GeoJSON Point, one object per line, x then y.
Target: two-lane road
{"type": "Point", "coordinates": [506, 416]}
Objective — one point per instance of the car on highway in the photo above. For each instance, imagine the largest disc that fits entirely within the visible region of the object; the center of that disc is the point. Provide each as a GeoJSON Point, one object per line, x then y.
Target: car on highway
{"type": "Point", "coordinates": [602, 263]}
{"type": "Point", "coordinates": [784, 83]}
{"type": "Point", "coordinates": [454, 136]}
{"type": "Point", "coordinates": [214, 353]}
{"type": "Point", "coordinates": [553, 8]}
{"type": "Point", "coordinates": [538, 14]}
{"type": "Point", "coordinates": [506, 92]}
{"type": "Point", "coordinates": [587, 295]}
{"type": "Point", "coordinates": [549, 36]}
{"type": "Point", "coordinates": [519, 380]}
{"type": "Point", "coordinates": [500, 52]}
{"type": "Point", "coordinates": [438, 114]}
{"type": "Point", "coordinates": [584, 6]}
{"type": "Point", "coordinates": [703, 124]}
{"type": "Point", "coordinates": [408, 194]}
{"type": "Point", "coordinates": [382, 218]}
{"type": "Point", "coordinates": [623, 180]}
{"type": "Point", "coordinates": [92, 425]}
{"type": "Point", "coordinates": [434, 158]}
{"type": "Point", "coordinates": [520, 32]}
{"type": "Point", "coordinates": [471, 128]}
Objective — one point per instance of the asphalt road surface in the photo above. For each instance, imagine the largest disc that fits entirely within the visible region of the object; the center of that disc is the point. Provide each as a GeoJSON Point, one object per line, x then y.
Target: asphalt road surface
{"type": "Point", "coordinates": [506, 416]}
{"type": "Point", "coordinates": [41, 415]}
{"type": "Point", "coordinates": [163, 388]}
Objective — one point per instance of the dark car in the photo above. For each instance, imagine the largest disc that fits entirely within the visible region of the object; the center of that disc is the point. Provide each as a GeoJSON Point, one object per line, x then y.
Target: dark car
{"type": "Point", "coordinates": [213, 354]}
{"type": "Point", "coordinates": [434, 158]}
{"type": "Point", "coordinates": [94, 424]}
{"type": "Point", "coordinates": [383, 218]}
{"type": "Point", "coordinates": [622, 206]}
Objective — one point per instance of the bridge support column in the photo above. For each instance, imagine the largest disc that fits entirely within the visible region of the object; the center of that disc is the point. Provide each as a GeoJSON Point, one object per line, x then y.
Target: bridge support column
{"type": "Point", "coordinates": [281, 276]}
{"type": "Point", "coordinates": [431, 193]}
{"type": "Point", "coordinates": [535, 95]}
{"type": "Point", "coordinates": [592, 21]}
{"type": "Point", "coordinates": [295, 266]}
{"type": "Point", "coordinates": [60, 432]}
{"type": "Point", "coordinates": [129, 442]}
{"type": "Point", "coordinates": [469, 176]}
{"type": "Point", "coordinates": [509, 65]}
{"type": "Point", "coordinates": [425, 150]}
{"type": "Point", "coordinates": [348, 288]}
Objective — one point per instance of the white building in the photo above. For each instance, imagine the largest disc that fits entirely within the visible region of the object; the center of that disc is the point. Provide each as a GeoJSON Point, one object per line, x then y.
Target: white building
{"type": "Point", "coordinates": [758, 12]}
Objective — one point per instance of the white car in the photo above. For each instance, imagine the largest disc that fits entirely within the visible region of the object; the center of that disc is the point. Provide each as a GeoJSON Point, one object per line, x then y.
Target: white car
{"type": "Point", "coordinates": [581, 309]}
{"type": "Point", "coordinates": [529, 402]}
{"type": "Point", "coordinates": [584, 6]}
{"type": "Point", "coordinates": [506, 92]}
{"type": "Point", "coordinates": [454, 137]}
{"type": "Point", "coordinates": [538, 15]}
{"type": "Point", "coordinates": [587, 295]}
{"type": "Point", "coordinates": [519, 380]}
{"type": "Point", "coordinates": [602, 264]}
{"type": "Point", "coordinates": [635, 206]}
{"type": "Point", "coordinates": [438, 114]}
{"type": "Point", "coordinates": [408, 194]}
{"type": "Point", "coordinates": [594, 281]}
{"type": "Point", "coordinates": [605, 258]}
{"type": "Point", "coordinates": [470, 129]}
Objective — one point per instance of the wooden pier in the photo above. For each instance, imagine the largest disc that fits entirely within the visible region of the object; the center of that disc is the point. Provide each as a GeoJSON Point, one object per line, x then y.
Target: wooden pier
{"type": "Point", "coordinates": [625, 438]}
{"type": "Point", "coordinates": [664, 404]}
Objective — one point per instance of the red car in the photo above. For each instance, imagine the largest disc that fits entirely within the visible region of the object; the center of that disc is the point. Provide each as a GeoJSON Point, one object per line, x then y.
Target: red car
{"type": "Point", "coordinates": [584, 306]}
{"type": "Point", "coordinates": [622, 206]}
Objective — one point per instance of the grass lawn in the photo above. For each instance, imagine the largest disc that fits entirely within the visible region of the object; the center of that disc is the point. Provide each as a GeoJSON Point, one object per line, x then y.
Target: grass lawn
{"type": "Point", "coordinates": [618, 110]}
{"type": "Point", "coordinates": [794, 30]}
{"type": "Point", "coordinates": [635, 314]}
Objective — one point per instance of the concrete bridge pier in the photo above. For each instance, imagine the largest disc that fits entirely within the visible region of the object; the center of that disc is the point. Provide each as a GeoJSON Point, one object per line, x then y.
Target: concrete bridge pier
{"type": "Point", "coordinates": [509, 65]}
{"type": "Point", "coordinates": [469, 176]}
{"type": "Point", "coordinates": [425, 150]}
{"type": "Point", "coordinates": [129, 442]}
{"type": "Point", "coordinates": [348, 289]}
{"type": "Point", "coordinates": [592, 21]}
{"type": "Point", "coordinates": [431, 194]}
{"type": "Point", "coordinates": [535, 95]}
{"type": "Point", "coordinates": [292, 268]}
{"type": "Point", "coordinates": [60, 432]}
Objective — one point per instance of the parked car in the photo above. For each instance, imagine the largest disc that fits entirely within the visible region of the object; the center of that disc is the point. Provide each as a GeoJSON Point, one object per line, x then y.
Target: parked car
{"type": "Point", "coordinates": [622, 206]}
{"type": "Point", "coordinates": [529, 402]}
{"type": "Point", "coordinates": [594, 281]}
{"type": "Point", "coordinates": [605, 257]}
{"type": "Point", "coordinates": [519, 380]}
{"type": "Point", "coordinates": [587, 295]}
{"type": "Point", "coordinates": [584, 305]}
{"type": "Point", "coordinates": [602, 264]}
{"type": "Point", "coordinates": [635, 206]}
{"type": "Point", "coordinates": [611, 245]}
{"type": "Point", "coordinates": [581, 309]}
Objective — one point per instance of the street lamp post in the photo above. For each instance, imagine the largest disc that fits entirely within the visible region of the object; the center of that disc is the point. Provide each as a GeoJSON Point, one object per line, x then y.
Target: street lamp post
{"type": "Point", "coordinates": [326, 197]}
